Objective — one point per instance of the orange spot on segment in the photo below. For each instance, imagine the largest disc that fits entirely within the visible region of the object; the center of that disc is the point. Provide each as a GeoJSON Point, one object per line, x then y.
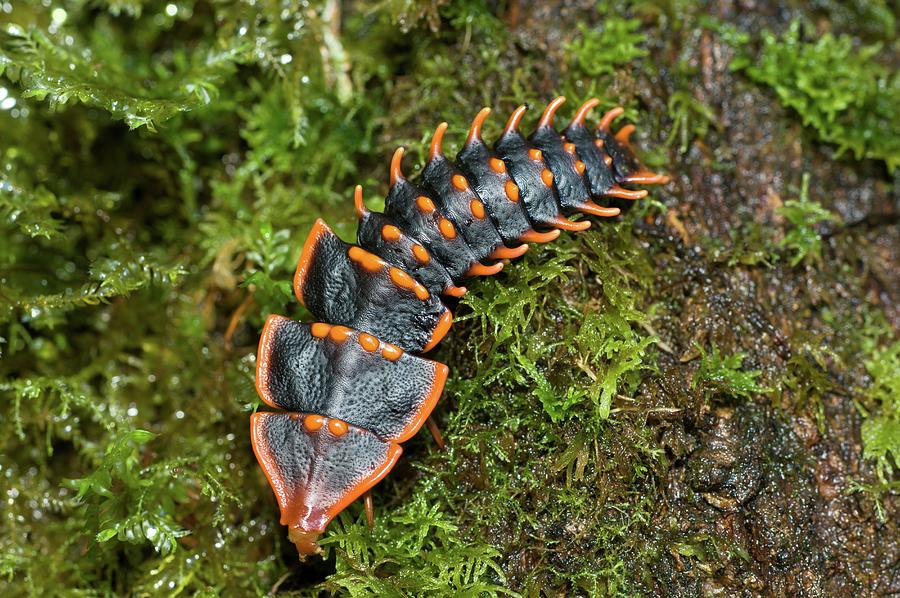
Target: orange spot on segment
{"type": "Point", "coordinates": [579, 167]}
{"type": "Point", "coordinates": [421, 254]}
{"type": "Point", "coordinates": [535, 154]}
{"type": "Point", "coordinates": [455, 291]}
{"type": "Point", "coordinates": [339, 334]}
{"type": "Point", "coordinates": [337, 427]}
{"type": "Point", "coordinates": [320, 329]}
{"type": "Point", "coordinates": [512, 191]}
{"type": "Point", "coordinates": [424, 204]}
{"type": "Point", "coordinates": [497, 165]}
{"type": "Point", "coordinates": [447, 229]}
{"type": "Point", "coordinates": [401, 278]}
{"type": "Point", "coordinates": [598, 143]}
{"type": "Point", "coordinates": [570, 148]}
{"type": "Point", "coordinates": [533, 236]}
{"type": "Point", "coordinates": [294, 416]}
{"type": "Point", "coordinates": [503, 253]}
{"type": "Point", "coordinates": [440, 331]}
{"type": "Point", "coordinates": [369, 261]}
{"type": "Point", "coordinates": [475, 129]}
{"type": "Point", "coordinates": [389, 232]}
{"type": "Point", "coordinates": [313, 422]}
{"type": "Point", "coordinates": [420, 291]}
{"type": "Point", "coordinates": [368, 342]}
{"type": "Point", "coordinates": [477, 209]}
{"type": "Point", "coordinates": [547, 177]}
{"type": "Point", "coordinates": [607, 159]}
{"type": "Point", "coordinates": [391, 352]}
{"type": "Point", "coordinates": [459, 182]}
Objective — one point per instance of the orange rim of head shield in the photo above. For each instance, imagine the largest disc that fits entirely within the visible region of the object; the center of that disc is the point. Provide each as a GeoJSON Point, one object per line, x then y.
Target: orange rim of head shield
{"type": "Point", "coordinates": [423, 233]}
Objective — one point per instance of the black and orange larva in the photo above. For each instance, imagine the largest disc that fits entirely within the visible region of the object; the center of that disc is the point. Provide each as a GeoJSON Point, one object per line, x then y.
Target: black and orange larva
{"type": "Point", "coordinates": [350, 387]}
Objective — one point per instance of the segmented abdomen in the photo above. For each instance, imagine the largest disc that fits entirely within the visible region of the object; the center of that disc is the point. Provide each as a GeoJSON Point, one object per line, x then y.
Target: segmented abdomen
{"type": "Point", "coordinates": [349, 382]}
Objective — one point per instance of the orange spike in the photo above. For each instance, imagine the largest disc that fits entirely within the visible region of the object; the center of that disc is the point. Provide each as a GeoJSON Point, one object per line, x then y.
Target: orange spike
{"type": "Point", "coordinates": [475, 129]}
{"type": "Point", "coordinates": [564, 224]}
{"type": "Point", "coordinates": [455, 291]}
{"type": "Point", "coordinates": [515, 118]}
{"type": "Point", "coordinates": [610, 116]}
{"type": "Point", "coordinates": [396, 163]}
{"type": "Point", "coordinates": [479, 269]}
{"type": "Point", "coordinates": [437, 141]}
{"type": "Point", "coordinates": [502, 253]}
{"type": "Point", "coordinates": [622, 193]}
{"type": "Point", "coordinates": [533, 236]}
{"type": "Point", "coordinates": [358, 202]}
{"type": "Point", "coordinates": [581, 114]}
{"type": "Point", "coordinates": [589, 207]}
{"type": "Point", "coordinates": [645, 177]}
{"type": "Point", "coordinates": [624, 133]}
{"type": "Point", "coordinates": [550, 112]}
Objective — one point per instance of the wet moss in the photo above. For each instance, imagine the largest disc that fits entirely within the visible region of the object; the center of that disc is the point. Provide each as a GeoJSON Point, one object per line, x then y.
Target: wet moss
{"type": "Point", "coordinates": [698, 399]}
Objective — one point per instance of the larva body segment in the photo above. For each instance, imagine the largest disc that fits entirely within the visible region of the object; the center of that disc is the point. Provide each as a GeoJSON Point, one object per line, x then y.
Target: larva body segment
{"type": "Point", "coordinates": [348, 286]}
{"type": "Point", "coordinates": [382, 236]}
{"type": "Point", "coordinates": [350, 386]}
{"type": "Point", "coordinates": [422, 219]}
{"type": "Point", "coordinates": [458, 202]}
{"type": "Point", "coordinates": [350, 375]}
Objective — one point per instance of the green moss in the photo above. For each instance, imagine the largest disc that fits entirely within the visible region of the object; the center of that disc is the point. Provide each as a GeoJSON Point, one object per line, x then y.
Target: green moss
{"type": "Point", "coordinates": [161, 168]}
{"type": "Point", "coordinates": [881, 431]}
{"type": "Point", "coordinates": [842, 92]}
{"type": "Point", "coordinates": [600, 51]}
{"type": "Point", "coordinates": [802, 238]}
{"type": "Point", "coordinates": [722, 375]}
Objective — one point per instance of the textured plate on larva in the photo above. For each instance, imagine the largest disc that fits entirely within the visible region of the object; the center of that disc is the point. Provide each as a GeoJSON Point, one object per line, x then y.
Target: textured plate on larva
{"type": "Point", "coordinates": [352, 390]}
{"type": "Point", "coordinates": [348, 375]}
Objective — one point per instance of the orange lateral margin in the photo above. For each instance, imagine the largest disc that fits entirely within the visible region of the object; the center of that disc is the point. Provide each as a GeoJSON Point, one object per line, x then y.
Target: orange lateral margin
{"type": "Point", "coordinates": [440, 331]}
{"type": "Point", "coordinates": [304, 538]}
{"type": "Point", "coordinates": [319, 229]}
{"type": "Point", "coordinates": [273, 322]}
{"type": "Point", "coordinates": [434, 393]}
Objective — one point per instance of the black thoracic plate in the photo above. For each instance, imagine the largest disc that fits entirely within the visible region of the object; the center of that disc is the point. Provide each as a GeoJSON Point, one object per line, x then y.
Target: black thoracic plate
{"type": "Point", "coordinates": [624, 162]}
{"type": "Point", "coordinates": [399, 252]}
{"type": "Point", "coordinates": [315, 474]}
{"type": "Point", "coordinates": [508, 216]}
{"type": "Point", "coordinates": [599, 176]}
{"type": "Point", "coordinates": [329, 371]}
{"type": "Point", "coordinates": [453, 253]}
{"type": "Point", "coordinates": [540, 200]}
{"type": "Point", "coordinates": [480, 234]}
{"type": "Point", "coordinates": [361, 294]}
{"type": "Point", "coordinates": [570, 186]}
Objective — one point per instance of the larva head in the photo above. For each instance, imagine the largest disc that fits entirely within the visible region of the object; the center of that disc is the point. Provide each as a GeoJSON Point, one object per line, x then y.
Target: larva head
{"type": "Point", "coordinates": [305, 541]}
